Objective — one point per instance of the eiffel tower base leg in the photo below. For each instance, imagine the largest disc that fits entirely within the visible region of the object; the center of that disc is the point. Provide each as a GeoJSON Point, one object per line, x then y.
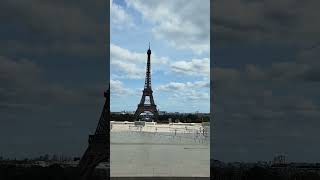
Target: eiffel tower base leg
{"type": "Point", "coordinates": [99, 143]}
{"type": "Point", "coordinates": [90, 160]}
{"type": "Point", "coordinates": [143, 108]}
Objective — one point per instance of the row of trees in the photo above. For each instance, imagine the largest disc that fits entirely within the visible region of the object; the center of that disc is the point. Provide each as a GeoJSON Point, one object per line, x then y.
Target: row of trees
{"type": "Point", "coordinates": [185, 118]}
{"type": "Point", "coordinates": [261, 173]}
{"type": "Point", "coordinates": [45, 157]}
{"type": "Point", "coordinates": [55, 157]}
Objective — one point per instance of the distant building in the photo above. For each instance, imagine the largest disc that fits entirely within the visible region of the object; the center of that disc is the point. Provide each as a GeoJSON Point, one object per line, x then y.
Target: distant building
{"type": "Point", "coordinates": [162, 112]}
{"type": "Point", "coordinates": [279, 160]}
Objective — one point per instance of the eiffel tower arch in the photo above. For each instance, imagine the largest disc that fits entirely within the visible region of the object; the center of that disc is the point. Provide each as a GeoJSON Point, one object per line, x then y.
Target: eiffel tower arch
{"type": "Point", "coordinates": [147, 102]}
{"type": "Point", "coordinates": [99, 143]}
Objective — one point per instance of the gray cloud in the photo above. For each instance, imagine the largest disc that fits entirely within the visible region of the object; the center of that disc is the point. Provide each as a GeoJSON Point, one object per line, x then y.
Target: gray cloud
{"type": "Point", "coordinates": [38, 110]}
{"type": "Point", "coordinates": [264, 106]}
{"type": "Point", "coordinates": [24, 84]}
{"type": "Point", "coordinates": [265, 98]}
{"type": "Point", "coordinates": [52, 74]}
{"type": "Point", "coordinates": [271, 21]}
{"type": "Point", "coordinates": [56, 28]}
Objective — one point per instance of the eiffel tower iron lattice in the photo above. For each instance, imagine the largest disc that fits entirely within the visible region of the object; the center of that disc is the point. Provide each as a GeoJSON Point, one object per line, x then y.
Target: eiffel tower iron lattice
{"type": "Point", "coordinates": [99, 144]}
{"type": "Point", "coordinates": [147, 92]}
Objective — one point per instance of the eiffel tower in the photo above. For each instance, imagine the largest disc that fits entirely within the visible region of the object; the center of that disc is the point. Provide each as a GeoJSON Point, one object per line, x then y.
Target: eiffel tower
{"type": "Point", "coordinates": [147, 103]}
{"type": "Point", "coordinates": [99, 143]}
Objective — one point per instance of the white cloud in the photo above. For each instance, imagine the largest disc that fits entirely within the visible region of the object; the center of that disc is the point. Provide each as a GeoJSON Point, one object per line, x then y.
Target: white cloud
{"type": "Point", "coordinates": [117, 88]}
{"type": "Point", "coordinates": [194, 67]}
{"type": "Point", "coordinates": [175, 86]}
{"type": "Point", "coordinates": [172, 86]}
{"type": "Point", "coordinates": [190, 97]}
{"type": "Point", "coordinates": [184, 24]}
{"type": "Point", "coordinates": [119, 17]}
{"type": "Point", "coordinates": [196, 96]}
{"type": "Point", "coordinates": [119, 53]}
{"type": "Point", "coordinates": [132, 64]}
{"type": "Point", "coordinates": [130, 70]}
{"type": "Point", "coordinates": [189, 93]}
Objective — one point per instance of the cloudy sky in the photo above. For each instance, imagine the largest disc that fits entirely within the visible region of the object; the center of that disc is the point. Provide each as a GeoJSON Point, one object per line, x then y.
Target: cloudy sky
{"type": "Point", "coordinates": [179, 34]}
{"type": "Point", "coordinates": [266, 80]}
{"type": "Point", "coordinates": [265, 72]}
{"type": "Point", "coordinates": [53, 71]}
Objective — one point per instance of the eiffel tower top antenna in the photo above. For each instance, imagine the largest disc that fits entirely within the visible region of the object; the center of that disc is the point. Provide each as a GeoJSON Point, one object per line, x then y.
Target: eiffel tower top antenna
{"type": "Point", "coordinates": [149, 45]}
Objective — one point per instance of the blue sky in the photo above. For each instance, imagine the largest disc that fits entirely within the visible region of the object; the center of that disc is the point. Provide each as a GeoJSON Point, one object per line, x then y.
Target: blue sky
{"type": "Point", "coordinates": [179, 34]}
